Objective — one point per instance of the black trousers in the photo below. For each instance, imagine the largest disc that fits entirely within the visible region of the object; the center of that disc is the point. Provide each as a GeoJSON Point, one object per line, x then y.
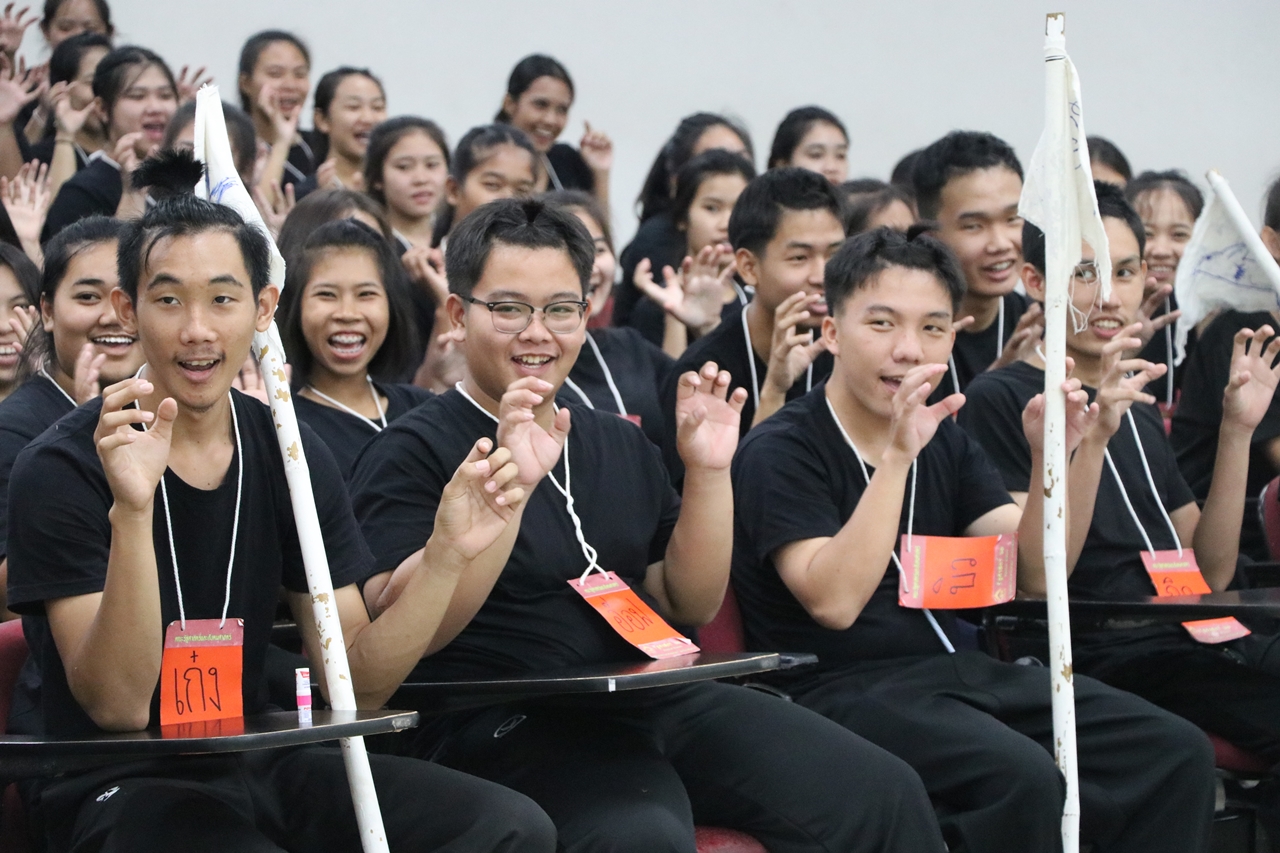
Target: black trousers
{"type": "Point", "coordinates": [635, 771]}
{"type": "Point", "coordinates": [282, 800]}
{"type": "Point", "coordinates": [980, 733]}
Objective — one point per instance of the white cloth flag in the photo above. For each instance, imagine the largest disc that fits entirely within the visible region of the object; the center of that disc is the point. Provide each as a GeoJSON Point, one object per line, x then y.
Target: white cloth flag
{"type": "Point", "coordinates": [1224, 266]}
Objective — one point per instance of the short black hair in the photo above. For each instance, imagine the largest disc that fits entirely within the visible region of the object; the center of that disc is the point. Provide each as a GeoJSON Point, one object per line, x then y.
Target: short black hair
{"type": "Point", "coordinates": [398, 350]}
{"type": "Point", "coordinates": [901, 174]}
{"type": "Point", "coordinates": [64, 62]}
{"type": "Point", "coordinates": [1111, 202]}
{"type": "Point", "coordinates": [1171, 179]}
{"type": "Point", "coordinates": [527, 223]}
{"type": "Point", "coordinates": [755, 217]}
{"type": "Point", "coordinates": [253, 48]}
{"type": "Point", "coordinates": [527, 71]}
{"type": "Point", "coordinates": [1104, 151]}
{"type": "Point", "coordinates": [793, 127]}
{"type": "Point", "coordinates": [865, 256]}
{"type": "Point", "coordinates": [187, 216]}
{"type": "Point", "coordinates": [656, 193]}
{"type": "Point", "coordinates": [689, 179]}
{"type": "Point", "coordinates": [865, 197]}
{"type": "Point", "coordinates": [954, 155]}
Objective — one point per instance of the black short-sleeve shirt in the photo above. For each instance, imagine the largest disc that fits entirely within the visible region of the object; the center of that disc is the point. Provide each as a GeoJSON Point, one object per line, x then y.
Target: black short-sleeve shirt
{"type": "Point", "coordinates": [344, 433]}
{"type": "Point", "coordinates": [638, 369]}
{"type": "Point", "coordinates": [570, 169]}
{"type": "Point", "coordinates": [61, 538]}
{"type": "Point", "coordinates": [974, 352]}
{"type": "Point", "coordinates": [659, 240]}
{"type": "Point", "coordinates": [95, 189]}
{"type": "Point", "coordinates": [25, 414]}
{"type": "Point", "coordinates": [727, 345]}
{"type": "Point", "coordinates": [795, 478]}
{"type": "Point", "coordinates": [532, 619]}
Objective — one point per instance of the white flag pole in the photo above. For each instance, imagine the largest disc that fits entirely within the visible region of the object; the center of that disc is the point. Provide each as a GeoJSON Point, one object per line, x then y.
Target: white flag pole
{"type": "Point", "coordinates": [1058, 269]}
{"type": "Point", "coordinates": [222, 184]}
{"type": "Point", "coordinates": [1247, 233]}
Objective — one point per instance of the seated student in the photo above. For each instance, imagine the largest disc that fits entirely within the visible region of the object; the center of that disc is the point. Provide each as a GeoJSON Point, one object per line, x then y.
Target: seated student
{"type": "Point", "coordinates": [492, 161]}
{"type": "Point", "coordinates": [1126, 495]}
{"type": "Point", "coordinates": [812, 138]}
{"type": "Point", "coordinates": [1108, 162]}
{"type": "Point", "coordinates": [784, 228]}
{"type": "Point", "coordinates": [135, 96]}
{"type": "Point", "coordinates": [324, 206]}
{"type": "Point", "coordinates": [970, 183]}
{"type": "Point", "coordinates": [275, 77]}
{"type": "Point", "coordinates": [77, 129]}
{"type": "Point", "coordinates": [822, 491]}
{"type": "Point", "coordinates": [1198, 418]}
{"type": "Point", "coordinates": [699, 292]}
{"type": "Point", "coordinates": [19, 289]}
{"type": "Point", "coordinates": [539, 95]}
{"type": "Point", "coordinates": [404, 170]}
{"type": "Point", "coordinates": [870, 203]}
{"type": "Point", "coordinates": [623, 771]}
{"type": "Point", "coordinates": [346, 320]}
{"type": "Point", "coordinates": [657, 238]}
{"type": "Point", "coordinates": [97, 577]}
{"type": "Point", "coordinates": [623, 372]}
{"type": "Point", "coordinates": [349, 103]}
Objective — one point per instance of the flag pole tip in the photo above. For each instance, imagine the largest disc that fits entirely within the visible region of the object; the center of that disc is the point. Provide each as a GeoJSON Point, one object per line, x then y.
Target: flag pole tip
{"type": "Point", "coordinates": [1055, 23]}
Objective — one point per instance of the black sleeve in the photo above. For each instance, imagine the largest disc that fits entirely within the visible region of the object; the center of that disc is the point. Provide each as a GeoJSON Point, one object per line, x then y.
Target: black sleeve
{"type": "Point", "coordinates": [396, 487]}
{"type": "Point", "coordinates": [992, 414]}
{"type": "Point", "coordinates": [349, 558]}
{"type": "Point", "coordinates": [11, 444]}
{"type": "Point", "coordinates": [781, 493]}
{"type": "Point", "coordinates": [73, 203]}
{"type": "Point", "coordinates": [60, 532]}
{"type": "Point", "coordinates": [571, 168]}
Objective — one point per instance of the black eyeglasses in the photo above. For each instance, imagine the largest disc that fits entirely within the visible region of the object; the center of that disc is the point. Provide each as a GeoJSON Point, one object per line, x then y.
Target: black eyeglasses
{"type": "Point", "coordinates": [512, 318]}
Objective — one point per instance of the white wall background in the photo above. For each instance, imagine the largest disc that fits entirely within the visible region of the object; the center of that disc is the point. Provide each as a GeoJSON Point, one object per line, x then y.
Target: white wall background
{"type": "Point", "coordinates": [1175, 83]}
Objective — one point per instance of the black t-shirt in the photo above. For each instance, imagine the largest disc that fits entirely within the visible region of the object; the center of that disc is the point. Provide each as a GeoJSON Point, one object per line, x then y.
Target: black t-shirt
{"type": "Point", "coordinates": [25, 414]}
{"type": "Point", "coordinates": [974, 352]}
{"type": "Point", "coordinates": [94, 189]}
{"type": "Point", "coordinates": [1110, 566]}
{"type": "Point", "coordinates": [570, 169]}
{"type": "Point", "coordinates": [1199, 416]}
{"type": "Point", "coordinates": [305, 156]}
{"type": "Point", "coordinates": [61, 538]}
{"type": "Point", "coordinates": [1160, 350]}
{"type": "Point", "coordinates": [728, 347]}
{"type": "Point", "coordinates": [796, 478]}
{"type": "Point", "coordinates": [638, 369]}
{"type": "Point", "coordinates": [344, 433]}
{"type": "Point", "coordinates": [532, 619]}
{"type": "Point", "coordinates": [665, 245]}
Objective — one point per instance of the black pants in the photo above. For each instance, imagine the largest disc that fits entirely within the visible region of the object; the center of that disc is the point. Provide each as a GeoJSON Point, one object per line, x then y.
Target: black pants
{"type": "Point", "coordinates": [980, 733]}
{"type": "Point", "coordinates": [1232, 690]}
{"type": "Point", "coordinates": [282, 800]}
{"type": "Point", "coordinates": [634, 771]}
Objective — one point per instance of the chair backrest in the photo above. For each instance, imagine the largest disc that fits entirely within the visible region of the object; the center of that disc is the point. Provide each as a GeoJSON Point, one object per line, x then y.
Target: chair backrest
{"type": "Point", "coordinates": [1269, 509]}
{"type": "Point", "coordinates": [13, 654]}
{"type": "Point", "coordinates": [723, 633]}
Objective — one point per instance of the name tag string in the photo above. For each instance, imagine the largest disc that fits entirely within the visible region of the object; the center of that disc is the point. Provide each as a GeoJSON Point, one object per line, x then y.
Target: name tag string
{"type": "Point", "coordinates": [911, 518]}
{"type": "Point", "coordinates": [751, 363]}
{"type": "Point", "coordinates": [951, 359]}
{"type": "Point", "coordinates": [1142, 454]}
{"type": "Point", "coordinates": [608, 378]}
{"type": "Point", "coordinates": [61, 390]}
{"type": "Point", "coordinates": [378, 425]}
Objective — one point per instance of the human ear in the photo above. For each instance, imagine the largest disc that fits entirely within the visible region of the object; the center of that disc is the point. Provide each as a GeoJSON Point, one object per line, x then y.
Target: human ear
{"type": "Point", "coordinates": [1033, 281]}
{"type": "Point", "coordinates": [451, 194]}
{"type": "Point", "coordinates": [268, 298]}
{"type": "Point", "coordinates": [748, 266]}
{"type": "Point", "coordinates": [456, 311]}
{"type": "Point", "coordinates": [321, 122]}
{"type": "Point", "coordinates": [125, 310]}
{"type": "Point", "coordinates": [828, 333]}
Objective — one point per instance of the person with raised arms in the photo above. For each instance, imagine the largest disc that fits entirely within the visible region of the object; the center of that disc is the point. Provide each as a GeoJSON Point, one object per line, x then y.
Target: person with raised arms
{"type": "Point", "coordinates": [165, 502]}
{"type": "Point", "coordinates": [628, 771]}
{"type": "Point", "coordinates": [824, 490]}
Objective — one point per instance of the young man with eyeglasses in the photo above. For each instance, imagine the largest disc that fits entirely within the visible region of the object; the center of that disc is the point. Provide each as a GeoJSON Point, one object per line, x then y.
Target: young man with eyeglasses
{"type": "Point", "coordinates": [630, 771]}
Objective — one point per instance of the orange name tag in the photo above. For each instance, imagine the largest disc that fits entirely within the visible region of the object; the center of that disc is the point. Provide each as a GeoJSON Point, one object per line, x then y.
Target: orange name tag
{"type": "Point", "coordinates": [635, 621]}
{"type": "Point", "coordinates": [958, 572]}
{"type": "Point", "coordinates": [1180, 575]}
{"type": "Point", "coordinates": [201, 671]}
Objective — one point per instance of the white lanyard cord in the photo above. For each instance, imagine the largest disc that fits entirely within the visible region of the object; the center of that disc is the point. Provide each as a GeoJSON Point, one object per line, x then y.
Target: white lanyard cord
{"type": "Point", "coordinates": [911, 517]}
{"type": "Point", "coordinates": [999, 332]}
{"type": "Point", "coordinates": [751, 363]}
{"type": "Point", "coordinates": [740, 292]}
{"type": "Point", "coordinates": [587, 551]}
{"type": "Point", "coordinates": [608, 378]}
{"type": "Point", "coordinates": [63, 391]}
{"type": "Point", "coordinates": [955, 374]}
{"type": "Point", "coordinates": [1142, 454]}
{"type": "Point", "coordinates": [377, 401]}
{"type": "Point", "coordinates": [551, 173]}
{"type": "Point", "coordinates": [235, 528]}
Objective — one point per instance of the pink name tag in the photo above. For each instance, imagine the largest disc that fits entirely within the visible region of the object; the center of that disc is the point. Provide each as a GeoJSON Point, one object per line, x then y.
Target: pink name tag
{"type": "Point", "coordinates": [1180, 575]}
{"type": "Point", "coordinates": [958, 572]}
{"type": "Point", "coordinates": [635, 621]}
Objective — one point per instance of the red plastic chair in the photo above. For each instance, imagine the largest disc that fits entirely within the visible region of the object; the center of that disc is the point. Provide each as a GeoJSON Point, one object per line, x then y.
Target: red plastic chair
{"type": "Point", "coordinates": [14, 834]}
{"type": "Point", "coordinates": [1269, 502]}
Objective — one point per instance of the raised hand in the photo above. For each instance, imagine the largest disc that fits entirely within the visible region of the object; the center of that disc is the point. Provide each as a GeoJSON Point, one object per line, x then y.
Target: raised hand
{"type": "Point", "coordinates": [22, 321]}
{"type": "Point", "coordinates": [479, 501]}
{"type": "Point", "coordinates": [249, 381]}
{"type": "Point", "coordinates": [19, 86]}
{"type": "Point", "coordinates": [1081, 416]}
{"type": "Point", "coordinates": [1153, 302]}
{"type": "Point", "coordinates": [792, 352]}
{"type": "Point", "coordinates": [425, 266]}
{"type": "Point", "coordinates": [534, 450]}
{"type": "Point", "coordinates": [695, 294]}
{"type": "Point", "coordinates": [1123, 379]}
{"type": "Point", "coordinates": [327, 176]}
{"type": "Point", "coordinates": [276, 208]}
{"type": "Point", "coordinates": [913, 424]}
{"type": "Point", "coordinates": [283, 122]}
{"type": "Point", "coordinates": [596, 149]}
{"type": "Point", "coordinates": [707, 418]}
{"type": "Point", "coordinates": [1026, 336]}
{"type": "Point", "coordinates": [133, 460]}
{"type": "Point", "coordinates": [26, 199]}
{"type": "Point", "coordinates": [87, 371]}
{"type": "Point", "coordinates": [67, 120]}
{"type": "Point", "coordinates": [13, 28]}
{"type": "Point", "coordinates": [187, 88]}
{"type": "Point", "coordinates": [1254, 375]}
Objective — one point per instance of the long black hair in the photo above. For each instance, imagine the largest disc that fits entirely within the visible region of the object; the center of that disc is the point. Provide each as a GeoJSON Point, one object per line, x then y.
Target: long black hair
{"type": "Point", "coordinates": [526, 71]}
{"type": "Point", "coordinates": [656, 194]}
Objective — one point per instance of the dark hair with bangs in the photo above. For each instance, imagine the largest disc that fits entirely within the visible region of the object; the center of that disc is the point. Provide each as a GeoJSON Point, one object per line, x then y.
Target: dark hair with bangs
{"type": "Point", "coordinates": [955, 155]}
{"type": "Point", "coordinates": [860, 259]}
{"type": "Point", "coordinates": [792, 129]}
{"type": "Point", "coordinates": [759, 210]}
{"type": "Point", "coordinates": [693, 174]}
{"type": "Point", "coordinates": [1111, 203]}
{"type": "Point", "coordinates": [1172, 179]}
{"type": "Point", "coordinates": [384, 137]}
{"type": "Point", "coordinates": [400, 346]}
{"type": "Point", "coordinates": [572, 200]}
{"type": "Point", "coordinates": [253, 48]}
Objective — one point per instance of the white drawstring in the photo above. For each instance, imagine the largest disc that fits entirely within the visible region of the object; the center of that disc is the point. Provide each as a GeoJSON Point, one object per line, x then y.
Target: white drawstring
{"type": "Point", "coordinates": [70, 399]}
{"type": "Point", "coordinates": [1151, 481]}
{"type": "Point", "coordinates": [751, 363]}
{"type": "Point", "coordinates": [377, 401]}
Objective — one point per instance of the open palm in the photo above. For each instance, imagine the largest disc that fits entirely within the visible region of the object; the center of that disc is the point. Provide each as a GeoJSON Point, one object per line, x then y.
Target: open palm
{"type": "Point", "coordinates": [479, 501]}
{"type": "Point", "coordinates": [707, 418]}
{"type": "Point", "coordinates": [534, 450]}
{"type": "Point", "coordinates": [1253, 378]}
{"type": "Point", "coordinates": [133, 461]}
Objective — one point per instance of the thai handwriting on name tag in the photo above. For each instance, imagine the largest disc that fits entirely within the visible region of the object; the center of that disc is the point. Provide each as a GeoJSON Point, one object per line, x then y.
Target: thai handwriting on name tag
{"type": "Point", "coordinates": [201, 671]}
{"type": "Point", "coordinates": [958, 572]}
{"type": "Point", "coordinates": [633, 619]}
{"type": "Point", "coordinates": [1179, 574]}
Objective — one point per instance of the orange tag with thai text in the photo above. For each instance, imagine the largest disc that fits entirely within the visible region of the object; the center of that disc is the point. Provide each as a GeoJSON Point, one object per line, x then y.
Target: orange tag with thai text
{"type": "Point", "coordinates": [635, 621]}
{"type": "Point", "coordinates": [201, 671]}
{"type": "Point", "coordinates": [1180, 575]}
{"type": "Point", "coordinates": [958, 572]}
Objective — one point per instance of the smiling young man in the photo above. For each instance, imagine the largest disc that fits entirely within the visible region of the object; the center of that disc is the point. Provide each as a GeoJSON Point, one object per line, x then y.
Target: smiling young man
{"type": "Point", "coordinates": [970, 183]}
{"type": "Point", "coordinates": [784, 227]}
{"type": "Point", "coordinates": [824, 490]}
{"type": "Point", "coordinates": [123, 536]}
{"type": "Point", "coordinates": [1125, 460]}
{"type": "Point", "coordinates": [628, 771]}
